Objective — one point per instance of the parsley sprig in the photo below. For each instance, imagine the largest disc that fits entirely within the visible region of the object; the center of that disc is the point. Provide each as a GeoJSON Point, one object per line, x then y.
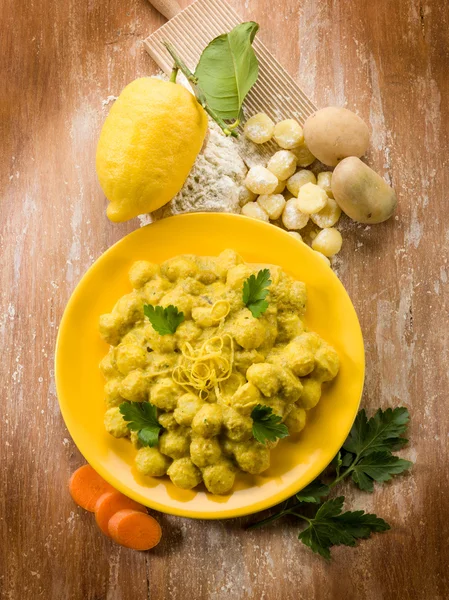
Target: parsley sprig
{"type": "Point", "coordinates": [142, 417]}
{"type": "Point", "coordinates": [367, 450]}
{"type": "Point", "coordinates": [366, 456]}
{"type": "Point", "coordinates": [255, 290]}
{"type": "Point", "coordinates": [267, 425]}
{"type": "Point", "coordinates": [332, 527]}
{"type": "Point", "coordinates": [164, 320]}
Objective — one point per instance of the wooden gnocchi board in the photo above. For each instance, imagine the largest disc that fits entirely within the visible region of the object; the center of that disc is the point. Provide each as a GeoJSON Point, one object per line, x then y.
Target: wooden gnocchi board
{"type": "Point", "coordinates": [276, 93]}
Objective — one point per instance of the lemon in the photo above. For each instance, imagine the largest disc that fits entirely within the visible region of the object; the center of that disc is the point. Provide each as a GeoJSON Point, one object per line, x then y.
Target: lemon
{"type": "Point", "coordinates": [148, 145]}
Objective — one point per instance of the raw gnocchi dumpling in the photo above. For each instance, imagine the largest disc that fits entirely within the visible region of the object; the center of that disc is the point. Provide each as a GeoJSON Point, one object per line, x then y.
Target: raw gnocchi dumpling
{"type": "Point", "coordinates": [328, 216]}
{"type": "Point", "coordinates": [245, 196]}
{"type": "Point", "coordinates": [324, 181]}
{"type": "Point", "coordinates": [282, 164]}
{"type": "Point", "coordinates": [272, 204]}
{"type": "Point", "coordinates": [292, 217]}
{"type": "Point", "coordinates": [328, 242]}
{"type": "Point", "coordinates": [260, 180]}
{"type": "Point", "coordinates": [279, 188]}
{"type": "Point", "coordinates": [288, 134]}
{"type": "Point", "coordinates": [311, 199]}
{"type": "Point", "coordinates": [259, 128]}
{"type": "Point", "coordinates": [300, 178]}
{"type": "Point", "coordinates": [255, 211]}
{"type": "Point", "coordinates": [303, 155]}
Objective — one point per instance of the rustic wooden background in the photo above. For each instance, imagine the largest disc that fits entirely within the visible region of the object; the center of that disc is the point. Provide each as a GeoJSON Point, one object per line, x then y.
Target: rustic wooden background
{"type": "Point", "coordinates": [61, 64]}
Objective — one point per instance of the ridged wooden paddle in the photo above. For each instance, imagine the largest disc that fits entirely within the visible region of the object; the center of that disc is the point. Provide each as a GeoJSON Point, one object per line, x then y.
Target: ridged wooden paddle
{"type": "Point", "coordinates": [190, 30]}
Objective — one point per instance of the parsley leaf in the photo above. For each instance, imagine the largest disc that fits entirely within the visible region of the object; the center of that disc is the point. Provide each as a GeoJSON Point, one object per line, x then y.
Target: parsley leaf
{"type": "Point", "coordinates": [380, 433]}
{"type": "Point", "coordinates": [141, 417]}
{"type": "Point", "coordinates": [255, 291]}
{"type": "Point", "coordinates": [377, 466]}
{"type": "Point", "coordinates": [337, 463]}
{"type": "Point", "coordinates": [267, 425]}
{"type": "Point", "coordinates": [347, 460]}
{"type": "Point", "coordinates": [163, 320]}
{"type": "Point", "coordinates": [313, 492]}
{"type": "Point", "coordinates": [330, 527]}
{"type": "Point", "coordinates": [366, 456]}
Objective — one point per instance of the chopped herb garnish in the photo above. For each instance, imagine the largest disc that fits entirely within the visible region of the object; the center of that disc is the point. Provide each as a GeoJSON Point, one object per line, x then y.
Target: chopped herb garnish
{"type": "Point", "coordinates": [164, 320]}
{"type": "Point", "coordinates": [142, 417]}
{"type": "Point", "coordinates": [255, 290]}
{"type": "Point", "coordinates": [267, 425]}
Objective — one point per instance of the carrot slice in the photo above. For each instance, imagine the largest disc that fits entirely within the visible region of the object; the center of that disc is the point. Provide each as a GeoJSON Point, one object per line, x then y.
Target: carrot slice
{"type": "Point", "coordinates": [134, 529]}
{"type": "Point", "coordinates": [110, 503]}
{"type": "Point", "coordinates": [86, 486]}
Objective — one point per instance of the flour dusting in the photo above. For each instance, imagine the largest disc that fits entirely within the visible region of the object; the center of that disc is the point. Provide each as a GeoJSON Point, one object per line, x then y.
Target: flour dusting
{"type": "Point", "coordinates": [214, 182]}
{"type": "Point", "coordinates": [108, 100]}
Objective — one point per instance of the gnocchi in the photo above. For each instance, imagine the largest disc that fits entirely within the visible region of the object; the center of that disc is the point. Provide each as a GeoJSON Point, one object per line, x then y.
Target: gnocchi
{"type": "Point", "coordinates": [288, 134]}
{"type": "Point", "coordinates": [300, 178]}
{"type": "Point", "coordinates": [184, 473]}
{"type": "Point", "coordinates": [282, 164]}
{"type": "Point", "coordinates": [141, 272]}
{"type": "Point", "coordinates": [114, 423]}
{"type": "Point", "coordinates": [245, 196]}
{"type": "Point", "coordinates": [292, 217]}
{"type": "Point", "coordinates": [149, 461]}
{"type": "Point", "coordinates": [279, 188]}
{"type": "Point", "coordinates": [260, 180]}
{"type": "Point", "coordinates": [207, 422]}
{"type": "Point", "coordinates": [255, 210]}
{"type": "Point", "coordinates": [272, 204]}
{"type": "Point", "coordinates": [324, 181]}
{"type": "Point", "coordinates": [285, 188]}
{"type": "Point", "coordinates": [303, 155]}
{"type": "Point", "coordinates": [327, 216]}
{"type": "Point", "coordinates": [328, 242]}
{"type": "Point", "coordinates": [259, 128]}
{"type": "Point", "coordinates": [311, 199]}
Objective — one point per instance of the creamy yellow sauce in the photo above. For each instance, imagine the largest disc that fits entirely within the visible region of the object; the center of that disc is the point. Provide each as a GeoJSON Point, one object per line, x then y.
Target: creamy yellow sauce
{"type": "Point", "coordinates": [206, 378]}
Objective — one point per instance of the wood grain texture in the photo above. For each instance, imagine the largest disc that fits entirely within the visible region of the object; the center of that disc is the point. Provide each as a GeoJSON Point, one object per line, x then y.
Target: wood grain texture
{"type": "Point", "coordinates": [61, 63]}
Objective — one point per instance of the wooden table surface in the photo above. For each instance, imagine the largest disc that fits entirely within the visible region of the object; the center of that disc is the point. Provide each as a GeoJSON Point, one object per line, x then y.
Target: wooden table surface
{"type": "Point", "coordinates": [62, 62]}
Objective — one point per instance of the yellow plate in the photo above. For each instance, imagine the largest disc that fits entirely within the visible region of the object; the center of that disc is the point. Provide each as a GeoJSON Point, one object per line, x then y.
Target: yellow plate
{"type": "Point", "coordinates": [297, 460]}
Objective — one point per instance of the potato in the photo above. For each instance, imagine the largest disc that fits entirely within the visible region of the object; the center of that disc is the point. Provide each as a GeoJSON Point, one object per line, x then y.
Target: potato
{"type": "Point", "coordinates": [332, 134]}
{"type": "Point", "coordinates": [361, 193]}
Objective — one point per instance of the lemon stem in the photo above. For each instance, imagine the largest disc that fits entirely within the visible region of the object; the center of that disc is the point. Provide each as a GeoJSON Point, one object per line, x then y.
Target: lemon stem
{"type": "Point", "coordinates": [180, 64]}
{"type": "Point", "coordinates": [174, 74]}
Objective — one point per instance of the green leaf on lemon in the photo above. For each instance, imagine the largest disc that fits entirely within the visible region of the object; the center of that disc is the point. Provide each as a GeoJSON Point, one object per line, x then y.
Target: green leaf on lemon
{"type": "Point", "coordinates": [227, 70]}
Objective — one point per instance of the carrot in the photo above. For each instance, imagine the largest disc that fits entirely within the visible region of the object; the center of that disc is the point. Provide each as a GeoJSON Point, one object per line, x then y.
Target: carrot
{"type": "Point", "coordinates": [86, 486]}
{"type": "Point", "coordinates": [110, 503]}
{"type": "Point", "coordinates": [134, 529]}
